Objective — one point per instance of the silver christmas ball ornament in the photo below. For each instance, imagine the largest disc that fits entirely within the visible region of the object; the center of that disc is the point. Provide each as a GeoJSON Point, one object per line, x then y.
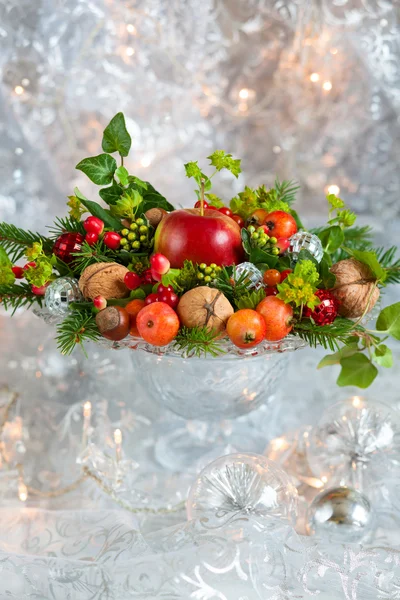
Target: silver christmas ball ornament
{"type": "Point", "coordinates": [240, 485]}
{"type": "Point", "coordinates": [254, 277]}
{"type": "Point", "coordinates": [303, 240]}
{"type": "Point", "coordinates": [340, 514]}
{"type": "Point", "coordinates": [60, 293]}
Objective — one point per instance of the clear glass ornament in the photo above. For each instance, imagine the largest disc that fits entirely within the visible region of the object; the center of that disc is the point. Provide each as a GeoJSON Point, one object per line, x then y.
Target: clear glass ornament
{"type": "Point", "coordinates": [242, 485]}
{"type": "Point", "coordinates": [60, 293]}
{"type": "Point", "coordinates": [254, 275]}
{"type": "Point", "coordinates": [341, 515]}
{"type": "Point", "coordinates": [354, 442]}
{"type": "Point", "coordinates": [303, 240]}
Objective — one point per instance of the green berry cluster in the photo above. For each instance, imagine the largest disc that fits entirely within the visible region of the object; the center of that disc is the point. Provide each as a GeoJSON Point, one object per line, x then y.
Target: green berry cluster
{"type": "Point", "coordinates": [260, 239]}
{"type": "Point", "coordinates": [207, 273]}
{"type": "Point", "coordinates": [139, 236]}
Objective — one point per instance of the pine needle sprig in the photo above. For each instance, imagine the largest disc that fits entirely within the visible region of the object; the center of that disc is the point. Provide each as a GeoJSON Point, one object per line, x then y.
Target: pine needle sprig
{"type": "Point", "coordinates": [328, 336]}
{"type": "Point", "coordinates": [65, 225]}
{"type": "Point", "coordinates": [388, 260]}
{"type": "Point", "coordinates": [15, 241]}
{"type": "Point", "coordinates": [230, 285]}
{"type": "Point", "coordinates": [78, 327]}
{"type": "Point", "coordinates": [197, 341]}
{"type": "Point", "coordinates": [18, 296]}
{"type": "Point", "coordinates": [286, 190]}
{"type": "Point", "coordinates": [89, 255]}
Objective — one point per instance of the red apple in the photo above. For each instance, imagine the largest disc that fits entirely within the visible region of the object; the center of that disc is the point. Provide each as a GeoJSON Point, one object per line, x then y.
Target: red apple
{"type": "Point", "coordinates": [212, 238]}
{"type": "Point", "coordinates": [280, 224]}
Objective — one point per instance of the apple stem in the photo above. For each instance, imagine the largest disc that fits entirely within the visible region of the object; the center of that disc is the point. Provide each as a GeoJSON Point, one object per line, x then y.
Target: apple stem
{"type": "Point", "coordinates": [202, 181]}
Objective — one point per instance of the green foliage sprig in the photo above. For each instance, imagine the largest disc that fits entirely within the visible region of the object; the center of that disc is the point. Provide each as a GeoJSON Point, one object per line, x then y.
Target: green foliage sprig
{"type": "Point", "coordinates": [78, 327]}
{"type": "Point", "coordinates": [14, 296]}
{"type": "Point", "coordinates": [218, 159]}
{"type": "Point", "coordinates": [15, 241]}
{"type": "Point", "coordinates": [198, 341]}
{"type": "Point", "coordinates": [279, 197]}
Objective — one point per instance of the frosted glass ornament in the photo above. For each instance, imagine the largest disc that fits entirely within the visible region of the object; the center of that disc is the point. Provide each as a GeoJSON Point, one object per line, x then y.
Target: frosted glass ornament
{"type": "Point", "coordinates": [303, 240]}
{"type": "Point", "coordinates": [60, 293]}
{"type": "Point", "coordinates": [242, 485]}
{"type": "Point", "coordinates": [254, 275]}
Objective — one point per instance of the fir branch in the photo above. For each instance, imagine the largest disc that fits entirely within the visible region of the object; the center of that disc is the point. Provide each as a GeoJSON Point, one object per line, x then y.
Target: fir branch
{"type": "Point", "coordinates": [230, 285]}
{"type": "Point", "coordinates": [65, 225]}
{"type": "Point", "coordinates": [88, 255]}
{"type": "Point", "coordinates": [286, 191]}
{"type": "Point", "coordinates": [18, 296]}
{"type": "Point", "coordinates": [197, 341]}
{"type": "Point", "coordinates": [15, 241]}
{"type": "Point", "coordinates": [388, 260]}
{"type": "Point", "coordinates": [329, 336]}
{"type": "Point", "coordinates": [78, 327]}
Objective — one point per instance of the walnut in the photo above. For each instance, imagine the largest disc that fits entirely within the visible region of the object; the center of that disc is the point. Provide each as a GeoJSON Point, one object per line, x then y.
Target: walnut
{"type": "Point", "coordinates": [355, 288]}
{"type": "Point", "coordinates": [155, 215]}
{"type": "Point", "coordinates": [204, 307]}
{"type": "Point", "coordinates": [104, 279]}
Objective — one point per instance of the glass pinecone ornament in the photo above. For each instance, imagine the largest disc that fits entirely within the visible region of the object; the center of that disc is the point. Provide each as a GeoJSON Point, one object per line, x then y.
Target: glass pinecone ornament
{"type": "Point", "coordinates": [60, 293]}
{"type": "Point", "coordinates": [68, 244]}
{"type": "Point", "coordinates": [327, 311]}
{"type": "Point", "coordinates": [303, 240]}
{"type": "Point", "coordinates": [254, 275]}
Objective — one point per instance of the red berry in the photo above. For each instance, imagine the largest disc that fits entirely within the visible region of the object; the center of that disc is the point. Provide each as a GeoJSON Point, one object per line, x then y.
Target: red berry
{"type": "Point", "coordinates": [198, 204]}
{"type": "Point", "coordinates": [112, 240]}
{"type": "Point", "coordinates": [39, 291]}
{"type": "Point", "coordinates": [147, 276]}
{"type": "Point", "coordinates": [238, 219]}
{"type": "Point", "coordinates": [283, 244]}
{"type": "Point", "coordinates": [169, 298]}
{"type": "Point", "coordinates": [29, 265]}
{"type": "Point", "coordinates": [285, 273]}
{"type": "Point", "coordinates": [211, 207]}
{"type": "Point", "coordinates": [156, 276]}
{"type": "Point", "coordinates": [151, 298]}
{"type": "Point", "coordinates": [91, 238]}
{"type": "Point", "coordinates": [162, 288]}
{"type": "Point", "coordinates": [271, 277]}
{"type": "Point", "coordinates": [93, 225]}
{"type": "Point", "coordinates": [18, 272]}
{"type": "Point", "coordinates": [271, 291]}
{"type": "Point", "coordinates": [226, 211]}
{"type": "Point", "coordinates": [100, 302]}
{"type": "Point", "coordinates": [160, 263]}
{"type": "Point", "coordinates": [132, 280]}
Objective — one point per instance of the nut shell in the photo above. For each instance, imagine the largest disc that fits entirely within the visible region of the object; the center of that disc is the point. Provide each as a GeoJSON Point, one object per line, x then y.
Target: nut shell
{"type": "Point", "coordinates": [104, 279]}
{"type": "Point", "coordinates": [113, 323]}
{"type": "Point", "coordinates": [355, 288]}
{"type": "Point", "coordinates": [155, 215]}
{"type": "Point", "coordinates": [204, 307]}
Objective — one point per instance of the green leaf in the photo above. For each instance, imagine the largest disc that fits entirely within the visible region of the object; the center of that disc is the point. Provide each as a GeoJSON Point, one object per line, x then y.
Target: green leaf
{"type": "Point", "coordinates": [111, 194]}
{"type": "Point", "coordinates": [155, 200]}
{"type": "Point", "coordinates": [100, 169]}
{"type": "Point", "coordinates": [389, 320]}
{"type": "Point", "coordinates": [97, 211]}
{"type": "Point", "coordinates": [193, 170]}
{"type": "Point", "coordinates": [306, 255]}
{"type": "Point", "coordinates": [334, 201]}
{"type": "Point", "coordinates": [213, 200]}
{"type": "Point", "coordinates": [357, 370]}
{"type": "Point", "coordinates": [246, 240]}
{"type": "Point", "coordinates": [4, 260]}
{"type": "Point", "coordinates": [139, 293]}
{"type": "Point", "coordinates": [128, 204]}
{"type": "Point", "coordinates": [138, 183]}
{"type": "Point", "coordinates": [116, 137]}
{"type": "Point", "coordinates": [258, 256]}
{"type": "Point", "coordinates": [371, 260]}
{"type": "Point", "coordinates": [336, 357]}
{"type": "Point", "coordinates": [170, 277]}
{"type": "Point", "coordinates": [220, 160]}
{"type": "Point", "coordinates": [331, 238]}
{"type": "Point", "coordinates": [383, 356]}
{"type": "Point", "coordinates": [296, 218]}
{"type": "Point", "coordinates": [251, 300]}
{"type": "Point", "coordinates": [122, 175]}
{"type": "Point", "coordinates": [327, 279]}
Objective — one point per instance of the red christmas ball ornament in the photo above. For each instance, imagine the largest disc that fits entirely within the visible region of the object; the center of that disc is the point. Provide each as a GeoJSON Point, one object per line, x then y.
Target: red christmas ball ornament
{"type": "Point", "coordinates": [68, 244]}
{"type": "Point", "coordinates": [326, 311]}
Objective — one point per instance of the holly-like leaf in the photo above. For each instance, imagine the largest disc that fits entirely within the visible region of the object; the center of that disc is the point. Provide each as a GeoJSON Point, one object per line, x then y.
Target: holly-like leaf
{"type": "Point", "coordinates": [100, 169]}
{"type": "Point", "coordinates": [383, 356]}
{"type": "Point", "coordinates": [97, 211]}
{"type": "Point", "coordinates": [123, 175]}
{"type": "Point", "coordinates": [357, 370]}
{"type": "Point", "coordinates": [331, 238]}
{"type": "Point", "coordinates": [371, 260]}
{"type": "Point", "coordinates": [112, 193]}
{"type": "Point", "coordinates": [116, 137]}
{"type": "Point", "coordinates": [389, 320]}
{"type": "Point", "coordinates": [336, 357]}
{"type": "Point", "coordinates": [220, 160]}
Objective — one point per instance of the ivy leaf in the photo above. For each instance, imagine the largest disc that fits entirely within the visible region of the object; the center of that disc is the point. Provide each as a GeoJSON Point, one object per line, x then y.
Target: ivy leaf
{"type": "Point", "coordinates": [155, 200]}
{"type": "Point", "coordinates": [327, 278]}
{"type": "Point", "coordinates": [4, 260]}
{"type": "Point", "coordinates": [112, 193]}
{"type": "Point", "coordinates": [383, 356]}
{"type": "Point", "coordinates": [138, 183]}
{"type": "Point", "coordinates": [220, 160]}
{"type": "Point", "coordinates": [331, 238]}
{"type": "Point", "coordinates": [336, 357]}
{"type": "Point", "coordinates": [97, 211]}
{"type": "Point", "coordinates": [100, 169]}
{"type": "Point", "coordinates": [123, 175]}
{"type": "Point", "coordinates": [389, 320]}
{"type": "Point", "coordinates": [116, 137]}
{"type": "Point", "coordinates": [357, 370]}
{"type": "Point", "coordinates": [250, 300]}
{"type": "Point", "coordinates": [371, 260]}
